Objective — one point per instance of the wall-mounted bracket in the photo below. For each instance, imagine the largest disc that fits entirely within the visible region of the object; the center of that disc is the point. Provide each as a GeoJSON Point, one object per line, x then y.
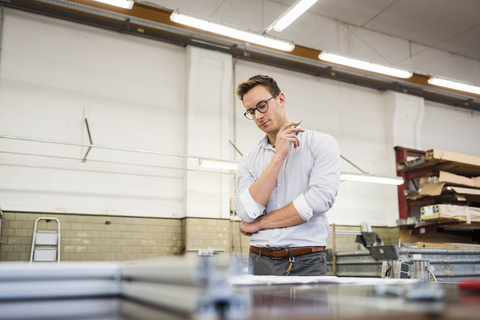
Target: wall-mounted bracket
{"type": "Point", "coordinates": [90, 139]}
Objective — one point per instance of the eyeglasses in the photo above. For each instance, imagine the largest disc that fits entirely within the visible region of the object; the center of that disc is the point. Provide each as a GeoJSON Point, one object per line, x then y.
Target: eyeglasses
{"type": "Point", "coordinates": [262, 107]}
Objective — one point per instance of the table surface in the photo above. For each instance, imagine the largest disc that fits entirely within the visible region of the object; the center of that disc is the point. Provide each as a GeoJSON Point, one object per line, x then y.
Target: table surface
{"type": "Point", "coordinates": [279, 301]}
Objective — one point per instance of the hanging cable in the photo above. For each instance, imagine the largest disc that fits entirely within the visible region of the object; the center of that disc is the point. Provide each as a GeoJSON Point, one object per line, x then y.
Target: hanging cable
{"type": "Point", "coordinates": [431, 273]}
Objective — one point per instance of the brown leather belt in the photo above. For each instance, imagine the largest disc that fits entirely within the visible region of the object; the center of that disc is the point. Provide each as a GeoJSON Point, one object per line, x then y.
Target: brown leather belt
{"type": "Point", "coordinates": [285, 253]}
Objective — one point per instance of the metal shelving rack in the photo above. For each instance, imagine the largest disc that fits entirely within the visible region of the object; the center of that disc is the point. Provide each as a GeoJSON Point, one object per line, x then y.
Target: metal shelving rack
{"type": "Point", "coordinates": [404, 205]}
{"type": "Point", "coordinates": [411, 165]}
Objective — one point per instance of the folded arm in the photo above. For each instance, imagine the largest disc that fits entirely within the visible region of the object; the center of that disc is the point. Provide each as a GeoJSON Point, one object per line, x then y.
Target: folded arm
{"type": "Point", "coordinates": [317, 199]}
{"type": "Point", "coordinates": [286, 217]}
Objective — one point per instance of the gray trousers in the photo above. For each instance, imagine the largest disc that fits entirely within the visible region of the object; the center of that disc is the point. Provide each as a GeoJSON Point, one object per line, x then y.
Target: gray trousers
{"type": "Point", "coordinates": [313, 264]}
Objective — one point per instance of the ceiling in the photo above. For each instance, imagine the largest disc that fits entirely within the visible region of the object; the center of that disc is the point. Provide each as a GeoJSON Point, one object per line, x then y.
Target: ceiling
{"type": "Point", "coordinates": [447, 25]}
{"type": "Point", "coordinates": [452, 26]}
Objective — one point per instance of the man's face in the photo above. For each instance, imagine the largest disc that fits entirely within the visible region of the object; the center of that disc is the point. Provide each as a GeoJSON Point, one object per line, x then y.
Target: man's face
{"type": "Point", "coordinates": [272, 120]}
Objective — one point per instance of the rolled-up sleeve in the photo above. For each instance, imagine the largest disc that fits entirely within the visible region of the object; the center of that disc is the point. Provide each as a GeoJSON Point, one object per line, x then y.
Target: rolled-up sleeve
{"type": "Point", "coordinates": [302, 207]}
{"type": "Point", "coordinates": [245, 206]}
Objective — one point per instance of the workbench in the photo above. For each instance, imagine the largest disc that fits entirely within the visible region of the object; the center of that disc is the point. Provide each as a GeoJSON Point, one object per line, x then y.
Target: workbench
{"type": "Point", "coordinates": [198, 289]}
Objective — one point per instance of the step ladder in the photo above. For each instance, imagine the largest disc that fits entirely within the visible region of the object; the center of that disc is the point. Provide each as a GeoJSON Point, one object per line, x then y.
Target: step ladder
{"type": "Point", "coordinates": [45, 243]}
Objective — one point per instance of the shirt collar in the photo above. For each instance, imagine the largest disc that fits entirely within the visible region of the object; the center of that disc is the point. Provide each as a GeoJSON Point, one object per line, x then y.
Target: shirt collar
{"type": "Point", "coordinates": [265, 144]}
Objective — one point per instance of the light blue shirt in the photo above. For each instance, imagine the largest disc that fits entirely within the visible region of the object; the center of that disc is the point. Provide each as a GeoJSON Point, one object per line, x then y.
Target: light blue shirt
{"type": "Point", "coordinates": [310, 176]}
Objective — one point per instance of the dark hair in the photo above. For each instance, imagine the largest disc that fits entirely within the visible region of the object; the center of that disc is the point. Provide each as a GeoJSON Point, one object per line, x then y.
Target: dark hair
{"type": "Point", "coordinates": [266, 81]}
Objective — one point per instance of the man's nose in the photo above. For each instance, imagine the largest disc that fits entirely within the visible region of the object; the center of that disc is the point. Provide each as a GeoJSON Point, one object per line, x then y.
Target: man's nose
{"type": "Point", "coordinates": [258, 114]}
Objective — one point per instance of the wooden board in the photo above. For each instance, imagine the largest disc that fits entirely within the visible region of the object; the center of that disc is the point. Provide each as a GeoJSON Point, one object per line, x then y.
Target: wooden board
{"type": "Point", "coordinates": [452, 156]}
{"type": "Point", "coordinates": [452, 162]}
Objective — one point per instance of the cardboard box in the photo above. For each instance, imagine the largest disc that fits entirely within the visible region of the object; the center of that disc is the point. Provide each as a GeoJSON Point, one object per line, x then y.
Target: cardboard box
{"type": "Point", "coordinates": [432, 189]}
{"type": "Point", "coordinates": [448, 182]}
{"type": "Point", "coordinates": [450, 212]}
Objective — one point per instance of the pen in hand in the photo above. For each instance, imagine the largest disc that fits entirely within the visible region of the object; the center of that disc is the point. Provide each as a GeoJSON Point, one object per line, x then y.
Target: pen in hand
{"type": "Point", "coordinates": [296, 125]}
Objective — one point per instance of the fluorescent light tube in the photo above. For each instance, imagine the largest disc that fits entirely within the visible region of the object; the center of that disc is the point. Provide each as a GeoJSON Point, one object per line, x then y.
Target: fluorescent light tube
{"type": "Point", "coordinates": [126, 4]}
{"type": "Point", "coordinates": [362, 177]}
{"type": "Point", "coordinates": [365, 65]}
{"type": "Point", "coordinates": [454, 85]}
{"type": "Point", "coordinates": [218, 164]}
{"type": "Point", "coordinates": [292, 14]}
{"type": "Point", "coordinates": [231, 32]}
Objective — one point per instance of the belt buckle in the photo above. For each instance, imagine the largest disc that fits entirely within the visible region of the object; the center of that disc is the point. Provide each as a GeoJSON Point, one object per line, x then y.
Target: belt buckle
{"type": "Point", "coordinates": [270, 255]}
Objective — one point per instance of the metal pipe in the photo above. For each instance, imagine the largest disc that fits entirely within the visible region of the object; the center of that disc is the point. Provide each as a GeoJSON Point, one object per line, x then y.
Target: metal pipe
{"type": "Point", "coordinates": [352, 163]}
{"type": "Point", "coordinates": [235, 147]}
{"type": "Point", "coordinates": [87, 145]}
{"type": "Point", "coordinates": [1, 220]}
{"type": "Point", "coordinates": [1, 29]}
{"type": "Point", "coordinates": [334, 252]}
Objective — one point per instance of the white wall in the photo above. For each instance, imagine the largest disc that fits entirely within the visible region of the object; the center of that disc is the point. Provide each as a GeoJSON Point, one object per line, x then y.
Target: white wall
{"type": "Point", "coordinates": [148, 95]}
{"type": "Point", "coordinates": [55, 73]}
{"type": "Point", "coordinates": [451, 129]}
{"type": "Point", "coordinates": [209, 122]}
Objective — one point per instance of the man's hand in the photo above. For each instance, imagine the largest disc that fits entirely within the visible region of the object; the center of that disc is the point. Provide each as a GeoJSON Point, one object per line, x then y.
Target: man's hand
{"type": "Point", "coordinates": [286, 217]}
{"type": "Point", "coordinates": [285, 136]}
{"type": "Point", "coordinates": [248, 229]}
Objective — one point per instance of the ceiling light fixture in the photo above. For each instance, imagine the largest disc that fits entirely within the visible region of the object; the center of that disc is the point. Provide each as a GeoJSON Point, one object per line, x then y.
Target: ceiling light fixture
{"type": "Point", "coordinates": [291, 15]}
{"type": "Point", "coordinates": [454, 85]}
{"type": "Point", "coordinates": [126, 4]}
{"type": "Point", "coordinates": [365, 65]}
{"type": "Point", "coordinates": [231, 32]}
{"type": "Point", "coordinates": [365, 177]}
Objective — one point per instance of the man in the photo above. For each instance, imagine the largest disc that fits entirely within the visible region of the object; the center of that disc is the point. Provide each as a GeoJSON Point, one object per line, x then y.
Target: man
{"type": "Point", "coordinates": [285, 187]}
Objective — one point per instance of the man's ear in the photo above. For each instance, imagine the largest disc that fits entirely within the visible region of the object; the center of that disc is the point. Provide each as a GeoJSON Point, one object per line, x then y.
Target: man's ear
{"type": "Point", "coordinates": [281, 97]}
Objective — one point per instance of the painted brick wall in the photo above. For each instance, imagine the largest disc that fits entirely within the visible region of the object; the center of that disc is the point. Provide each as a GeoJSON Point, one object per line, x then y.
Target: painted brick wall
{"type": "Point", "coordinates": [93, 238]}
